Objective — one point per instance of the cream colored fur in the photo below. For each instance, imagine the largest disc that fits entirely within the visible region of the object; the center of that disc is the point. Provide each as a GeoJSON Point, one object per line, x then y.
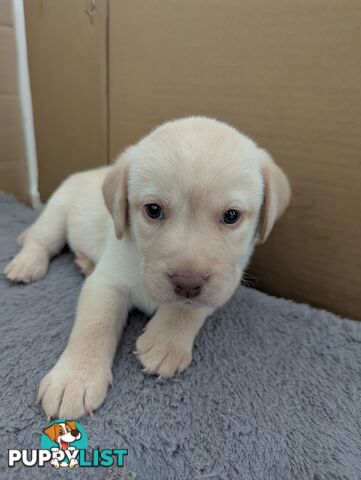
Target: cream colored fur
{"type": "Point", "coordinates": [195, 169]}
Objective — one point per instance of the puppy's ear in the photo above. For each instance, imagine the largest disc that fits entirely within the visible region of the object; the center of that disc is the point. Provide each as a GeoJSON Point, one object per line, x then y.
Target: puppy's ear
{"type": "Point", "coordinates": [51, 432]}
{"type": "Point", "coordinates": [115, 194]}
{"type": "Point", "coordinates": [276, 197]}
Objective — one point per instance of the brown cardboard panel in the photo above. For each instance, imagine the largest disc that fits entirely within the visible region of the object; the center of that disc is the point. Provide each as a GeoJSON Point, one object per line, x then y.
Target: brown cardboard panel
{"type": "Point", "coordinates": [8, 70]}
{"type": "Point", "coordinates": [67, 62]}
{"type": "Point", "coordinates": [6, 17]}
{"type": "Point", "coordinates": [10, 138]}
{"type": "Point", "coordinates": [286, 73]}
{"type": "Point", "coordinates": [13, 170]}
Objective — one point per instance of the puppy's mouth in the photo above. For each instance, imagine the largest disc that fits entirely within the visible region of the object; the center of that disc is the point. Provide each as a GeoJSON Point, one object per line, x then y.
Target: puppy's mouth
{"type": "Point", "coordinates": [162, 289]}
{"type": "Point", "coordinates": [64, 445]}
{"type": "Point", "coordinates": [185, 301]}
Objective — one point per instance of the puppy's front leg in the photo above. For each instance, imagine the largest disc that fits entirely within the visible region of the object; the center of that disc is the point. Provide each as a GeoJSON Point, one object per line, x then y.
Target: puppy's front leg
{"type": "Point", "coordinates": [166, 345]}
{"type": "Point", "coordinates": [78, 383]}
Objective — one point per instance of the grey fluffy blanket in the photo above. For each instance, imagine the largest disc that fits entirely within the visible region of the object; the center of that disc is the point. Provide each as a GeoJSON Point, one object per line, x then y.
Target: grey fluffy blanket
{"type": "Point", "coordinates": [273, 392]}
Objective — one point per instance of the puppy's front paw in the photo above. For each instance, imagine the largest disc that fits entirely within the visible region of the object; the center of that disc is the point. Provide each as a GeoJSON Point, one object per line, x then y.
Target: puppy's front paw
{"type": "Point", "coordinates": [27, 268]}
{"type": "Point", "coordinates": [163, 355]}
{"type": "Point", "coordinates": [69, 391]}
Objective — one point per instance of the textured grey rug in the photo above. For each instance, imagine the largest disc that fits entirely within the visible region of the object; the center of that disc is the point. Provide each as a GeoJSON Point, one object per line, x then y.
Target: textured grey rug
{"type": "Point", "coordinates": [273, 393]}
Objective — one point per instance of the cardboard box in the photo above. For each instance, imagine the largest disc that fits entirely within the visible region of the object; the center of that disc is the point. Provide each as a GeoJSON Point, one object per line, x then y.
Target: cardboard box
{"type": "Point", "coordinates": [67, 50]}
{"type": "Point", "coordinates": [286, 73]}
{"type": "Point", "coordinates": [13, 170]}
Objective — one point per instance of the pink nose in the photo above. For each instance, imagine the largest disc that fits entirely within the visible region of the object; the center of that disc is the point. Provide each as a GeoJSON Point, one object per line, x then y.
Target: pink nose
{"type": "Point", "coordinates": [188, 286]}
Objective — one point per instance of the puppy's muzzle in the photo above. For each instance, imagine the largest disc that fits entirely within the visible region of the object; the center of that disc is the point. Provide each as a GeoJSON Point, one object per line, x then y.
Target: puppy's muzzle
{"type": "Point", "coordinates": [188, 285]}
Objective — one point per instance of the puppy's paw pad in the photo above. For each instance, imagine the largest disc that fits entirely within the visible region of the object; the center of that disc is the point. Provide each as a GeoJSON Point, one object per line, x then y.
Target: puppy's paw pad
{"type": "Point", "coordinates": [27, 268]}
{"type": "Point", "coordinates": [161, 355]}
{"type": "Point", "coordinates": [70, 392]}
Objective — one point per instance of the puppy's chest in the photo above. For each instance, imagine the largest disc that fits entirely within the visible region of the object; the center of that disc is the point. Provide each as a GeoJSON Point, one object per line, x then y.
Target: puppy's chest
{"type": "Point", "coordinates": [140, 300]}
{"type": "Point", "coordinates": [124, 260]}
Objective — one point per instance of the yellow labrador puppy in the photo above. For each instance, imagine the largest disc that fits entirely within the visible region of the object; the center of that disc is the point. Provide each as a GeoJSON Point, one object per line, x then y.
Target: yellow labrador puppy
{"type": "Point", "coordinates": [169, 229]}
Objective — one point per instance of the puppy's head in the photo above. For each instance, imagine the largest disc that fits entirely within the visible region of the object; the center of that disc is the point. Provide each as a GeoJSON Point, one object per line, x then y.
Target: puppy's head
{"type": "Point", "coordinates": [195, 195]}
{"type": "Point", "coordinates": [65, 432]}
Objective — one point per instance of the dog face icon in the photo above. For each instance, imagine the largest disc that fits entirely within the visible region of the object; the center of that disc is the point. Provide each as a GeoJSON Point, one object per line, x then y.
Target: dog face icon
{"type": "Point", "coordinates": [63, 433]}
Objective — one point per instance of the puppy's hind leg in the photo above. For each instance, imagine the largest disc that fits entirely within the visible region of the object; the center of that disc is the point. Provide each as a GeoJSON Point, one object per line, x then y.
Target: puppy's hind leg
{"type": "Point", "coordinates": [86, 266]}
{"type": "Point", "coordinates": [44, 239]}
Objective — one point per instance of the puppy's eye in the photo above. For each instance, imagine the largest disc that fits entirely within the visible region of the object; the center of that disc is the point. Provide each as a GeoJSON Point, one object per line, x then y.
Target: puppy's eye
{"type": "Point", "coordinates": [154, 211]}
{"type": "Point", "coordinates": [231, 216]}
